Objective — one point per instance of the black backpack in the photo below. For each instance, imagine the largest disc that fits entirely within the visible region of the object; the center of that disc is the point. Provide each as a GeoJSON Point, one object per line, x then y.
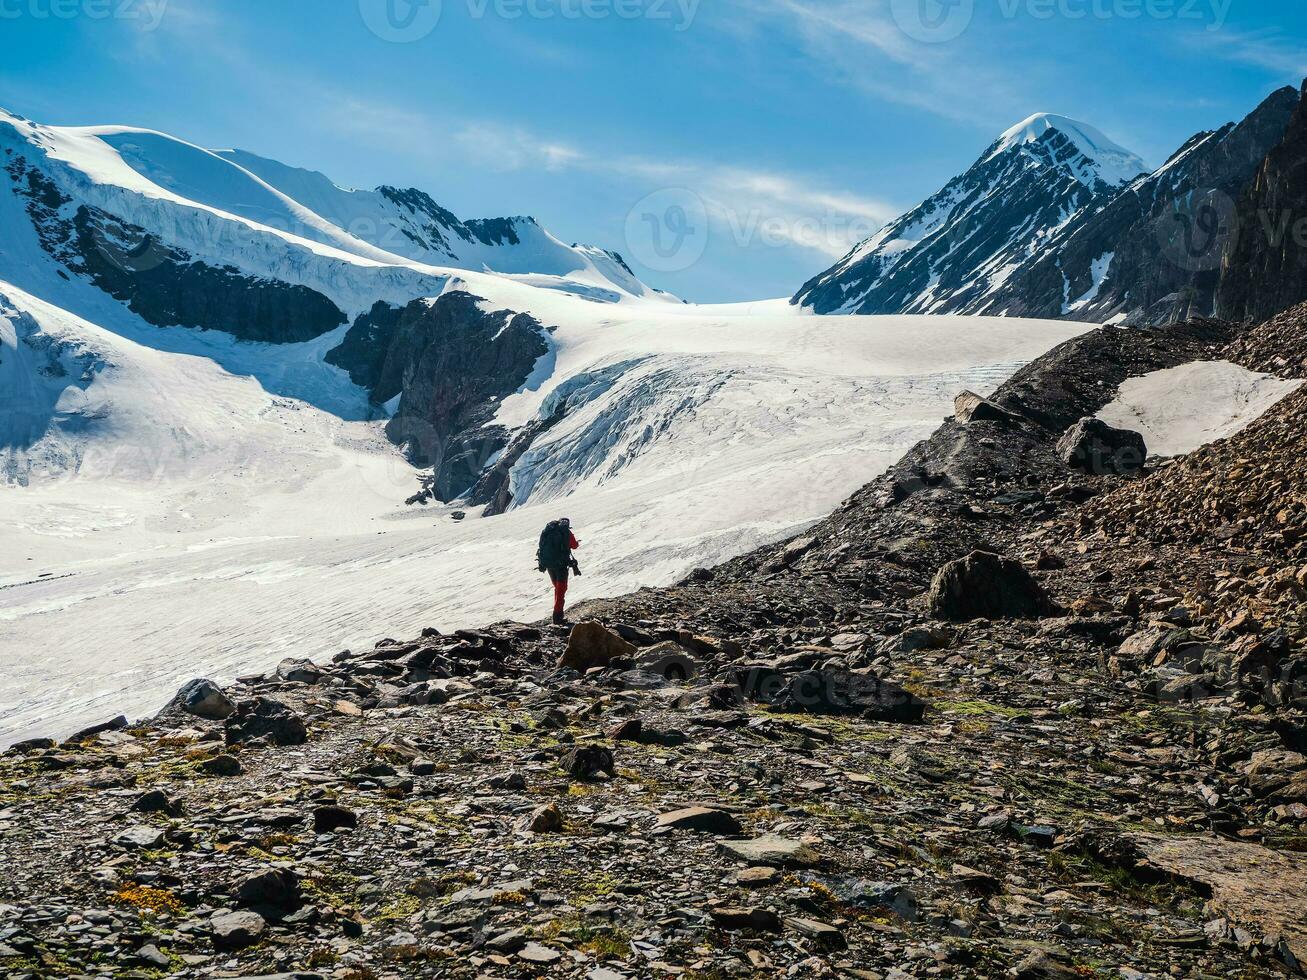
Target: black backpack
{"type": "Point", "coordinates": [554, 546]}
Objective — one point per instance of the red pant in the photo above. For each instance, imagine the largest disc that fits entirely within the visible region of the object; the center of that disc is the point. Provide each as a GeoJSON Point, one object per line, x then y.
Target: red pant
{"type": "Point", "coordinates": [560, 590]}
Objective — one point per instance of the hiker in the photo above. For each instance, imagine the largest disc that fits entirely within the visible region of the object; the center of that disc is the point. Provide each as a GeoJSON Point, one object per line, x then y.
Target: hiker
{"type": "Point", "coordinates": [555, 557]}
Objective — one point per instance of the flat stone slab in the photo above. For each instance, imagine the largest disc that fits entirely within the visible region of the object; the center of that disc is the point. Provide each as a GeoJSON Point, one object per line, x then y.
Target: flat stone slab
{"type": "Point", "coordinates": [772, 850]}
{"type": "Point", "coordinates": [1262, 890]}
{"type": "Point", "coordinates": [701, 818]}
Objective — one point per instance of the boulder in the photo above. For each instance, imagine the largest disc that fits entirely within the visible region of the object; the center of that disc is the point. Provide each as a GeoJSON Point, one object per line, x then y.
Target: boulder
{"type": "Point", "coordinates": [970, 407]}
{"type": "Point", "coordinates": [669, 660]}
{"type": "Point", "coordinates": [222, 765]}
{"type": "Point", "coordinates": [157, 801]}
{"type": "Point", "coordinates": [1260, 889]}
{"type": "Point", "coordinates": [271, 889]}
{"type": "Point", "coordinates": [266, 718]}
{"type": "Point", "coordinates": [331, 817]}
{"type": "Point", "coordinates": [1270, 770]}
{"type": "Point", "coordinates": [732, 917]}
{"type": "Point", "coordinates": [299, 670]}
{"type": "Point", "coordinates": [835, 691]}
{"type": "Point", "coordinates": [984, 585]}
{"type": "Point", "coordinates": [588, 761]}
{"type": "Point", "coordinates": [773, 851]}
{"type": "Point", "coordinates": [236, 930]}
{"type": "Point", "coordinates": [545, 819]}
{"type": "Point", "coordinates": [590, 645]}
{"type": "Point", "coordinates": [1093, 445]}
{"type": "Point", "coordinates": [201, 698]}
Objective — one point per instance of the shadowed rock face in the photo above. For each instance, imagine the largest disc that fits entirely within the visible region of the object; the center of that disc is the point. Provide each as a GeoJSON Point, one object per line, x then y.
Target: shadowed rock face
{"type": "Point", "coordinates": [450, 363]}
{"type": "Point", "coordinates": [162, 283]}
{"type": "Point", "coordinates": [1265, 270]}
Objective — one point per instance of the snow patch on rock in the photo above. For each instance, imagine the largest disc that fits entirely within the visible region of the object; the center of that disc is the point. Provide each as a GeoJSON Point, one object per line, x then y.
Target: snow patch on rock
{"type": "Point", "coordinates": [1182, 408]}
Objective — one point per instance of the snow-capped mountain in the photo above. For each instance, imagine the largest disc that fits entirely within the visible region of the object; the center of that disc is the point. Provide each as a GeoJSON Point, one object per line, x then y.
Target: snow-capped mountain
{"type": "Point", "coordinates": [952, 252]}
{"type": "Point", "coordinates": [144, 214]}
{"type": "Point", "coordinates": [1156, 252]}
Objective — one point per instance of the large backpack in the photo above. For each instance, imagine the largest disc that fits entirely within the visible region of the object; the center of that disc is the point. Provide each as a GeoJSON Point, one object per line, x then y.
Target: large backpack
{"type": "Point", "coordinates": [553, 551]}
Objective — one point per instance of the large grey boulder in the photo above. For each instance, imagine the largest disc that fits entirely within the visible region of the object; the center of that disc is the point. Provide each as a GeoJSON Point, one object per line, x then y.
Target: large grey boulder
{"type": "Point", "coordinates": [202, 698]}
{"type": "Point", "coordinates": [1093, 445]}
{"type": "Point", "coordinates": [590, 645]}
{"type": "Point", "coordinates": [984, 585]}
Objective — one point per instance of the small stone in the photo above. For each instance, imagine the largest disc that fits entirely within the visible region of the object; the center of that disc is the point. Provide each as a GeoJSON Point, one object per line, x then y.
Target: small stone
{"type": "Point", "coordinates": [157, 801]}
{"type": "Point", "coordinates": [535, 953]}
{"type": "Point", "coordinates": [823, 934]}
{"type": "Point", "coordinates": [547, 819]}
{"type": "Point", "coordinates": [331, 817]}
{"type": "Point", "coordinates": [236, 930]}
{"type": "Point", "coordinates": [202, 698]}
{"type": "Point", "coordinates": [757, 877]}
{"type": "Point", "coordinates": [153, 956]}
{"type": "Point", "coordinates": [222, 765]}
{"type": "Point", "coordinates": [145, 838]}
{"type": "Point", "coordinates": [759, 919]}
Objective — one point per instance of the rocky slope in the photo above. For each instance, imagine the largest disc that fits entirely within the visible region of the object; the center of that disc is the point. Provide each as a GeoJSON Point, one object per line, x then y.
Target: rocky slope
{"type": "Point", "coordinates": [805, 762]}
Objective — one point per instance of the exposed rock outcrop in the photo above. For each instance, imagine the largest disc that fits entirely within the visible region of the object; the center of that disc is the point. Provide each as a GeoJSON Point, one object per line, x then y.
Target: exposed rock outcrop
{"type": "Point", "coordinates": [450, 363]}
{"type": "Point", "coordinates": [163, 283]}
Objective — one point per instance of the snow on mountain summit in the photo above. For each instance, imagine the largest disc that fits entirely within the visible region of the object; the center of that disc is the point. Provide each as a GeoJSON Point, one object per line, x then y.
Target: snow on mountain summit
{"type": "Point", "coordinates": [956, 248]}
{"type": "Point", "coordinates": [1103, 158]}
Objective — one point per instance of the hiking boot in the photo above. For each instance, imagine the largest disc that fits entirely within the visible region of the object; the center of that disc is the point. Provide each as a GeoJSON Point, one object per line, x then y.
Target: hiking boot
{"type": "Point", "coordinates": [559, 619]}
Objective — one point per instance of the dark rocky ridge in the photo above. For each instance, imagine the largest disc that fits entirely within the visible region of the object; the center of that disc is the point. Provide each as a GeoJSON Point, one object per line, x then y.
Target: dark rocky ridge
{"type": "Point", "coordinates": [161, 282]}
{"type": "Point", "coordinates": [1202, 236]}
{"type": "Point", "coordinates": [450, 363]}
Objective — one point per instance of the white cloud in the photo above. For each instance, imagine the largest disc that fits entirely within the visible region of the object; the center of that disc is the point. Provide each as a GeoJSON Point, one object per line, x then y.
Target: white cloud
{"type": "Point", "coordinates": [747, 204]}
{"type": "Point", "coordinates": [1266, 49]}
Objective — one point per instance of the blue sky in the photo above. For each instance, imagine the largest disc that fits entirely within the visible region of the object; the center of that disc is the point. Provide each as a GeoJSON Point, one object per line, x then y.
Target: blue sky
{"type": "Point", "coordinates": [796, 125]}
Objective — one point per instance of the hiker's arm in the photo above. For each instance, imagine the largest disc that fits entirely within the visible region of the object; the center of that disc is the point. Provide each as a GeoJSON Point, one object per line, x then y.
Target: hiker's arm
{"type": "Point", "coordinates": [571, 540]}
